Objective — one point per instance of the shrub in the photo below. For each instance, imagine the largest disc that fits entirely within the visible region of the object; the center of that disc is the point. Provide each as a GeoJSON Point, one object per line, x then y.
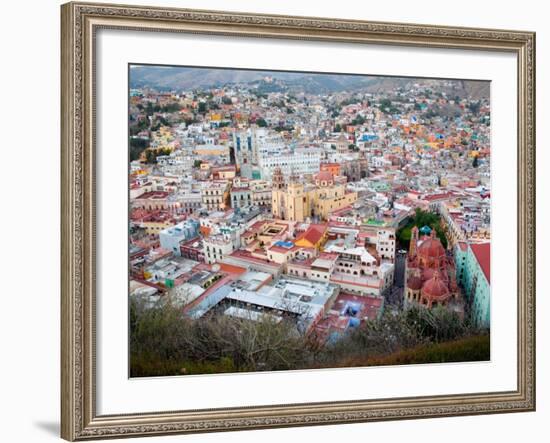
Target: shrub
{"type": "Point", "coordinates": [165, 342]}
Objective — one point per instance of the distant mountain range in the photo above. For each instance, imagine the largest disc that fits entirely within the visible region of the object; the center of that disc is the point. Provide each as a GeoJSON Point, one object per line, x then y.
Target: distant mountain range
{"type": "Point", "coordinates": [168, 78]}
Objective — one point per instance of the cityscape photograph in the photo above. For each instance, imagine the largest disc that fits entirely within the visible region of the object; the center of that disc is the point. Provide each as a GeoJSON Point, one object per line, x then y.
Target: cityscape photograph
{"type": "Point", "coordinates": [297, 221]}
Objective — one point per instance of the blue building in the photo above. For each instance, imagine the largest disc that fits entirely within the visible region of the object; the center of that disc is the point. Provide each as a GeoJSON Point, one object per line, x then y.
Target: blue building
{"type": "Point", "coordinates": [473, 273]}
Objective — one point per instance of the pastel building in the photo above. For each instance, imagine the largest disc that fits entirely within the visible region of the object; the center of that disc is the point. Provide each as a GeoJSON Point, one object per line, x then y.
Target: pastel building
{"type": "Point", "coordinates": [473, 272]}
{"type": "Point", "coordinates": [215, 195]}
{"type": "Point", "coordinates": [313, 237]}
{"type": "Point", "coordinates": [171, 238]}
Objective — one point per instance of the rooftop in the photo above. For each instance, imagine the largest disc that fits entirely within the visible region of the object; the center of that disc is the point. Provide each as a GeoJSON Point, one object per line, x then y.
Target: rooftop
{"type": "Point", "coordinates": [482, 252]}
{"type": "Point", "coordinates": [313, 234]}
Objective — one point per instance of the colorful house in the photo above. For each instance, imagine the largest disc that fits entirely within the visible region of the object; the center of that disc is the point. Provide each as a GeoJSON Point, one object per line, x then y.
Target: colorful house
{"type": "Point", "coordinates": [473, 272]}
{"type": "Point", "coordinates": [314, 237]}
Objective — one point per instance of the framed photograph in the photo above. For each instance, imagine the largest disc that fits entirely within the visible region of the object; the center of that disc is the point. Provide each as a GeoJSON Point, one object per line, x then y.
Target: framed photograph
{"type": "Point", "coordinates": [277, 221]}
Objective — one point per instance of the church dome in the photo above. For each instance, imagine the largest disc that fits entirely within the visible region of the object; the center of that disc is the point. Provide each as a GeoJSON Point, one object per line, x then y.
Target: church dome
{"type": "Point", "coordinates": [431, 248]}
{"type": "Point", "coordinates": [325, 176]}
{"type": "Point", "coordinates": [427, 273]}
{"type": "Point", "coordinates": [435, 288]}
{"type": "Point", "coordinates": [414, 283]}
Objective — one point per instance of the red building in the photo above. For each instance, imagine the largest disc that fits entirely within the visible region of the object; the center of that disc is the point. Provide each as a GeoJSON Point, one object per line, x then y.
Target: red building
{"type": "Point", "coordinates": [430, 279]}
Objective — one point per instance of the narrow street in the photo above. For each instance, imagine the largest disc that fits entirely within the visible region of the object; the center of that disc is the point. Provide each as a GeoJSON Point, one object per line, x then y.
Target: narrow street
{"type": "Point", "coordinates": [394, 296]}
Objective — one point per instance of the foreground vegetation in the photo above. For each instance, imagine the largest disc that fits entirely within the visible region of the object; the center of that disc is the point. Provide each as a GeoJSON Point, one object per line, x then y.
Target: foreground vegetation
{"type": "Point", "coordinates": [163, 342]}
{"type": "Point", "coordinates": [472, 348]}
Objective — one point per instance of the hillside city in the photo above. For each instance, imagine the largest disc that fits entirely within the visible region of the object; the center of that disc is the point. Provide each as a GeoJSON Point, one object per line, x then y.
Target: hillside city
{"type": "Point", "coordinates": [279, 199]}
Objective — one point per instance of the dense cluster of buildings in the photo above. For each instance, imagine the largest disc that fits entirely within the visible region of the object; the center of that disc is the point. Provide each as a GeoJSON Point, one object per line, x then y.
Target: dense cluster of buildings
{"type": "Point", "coordinates": [286, 204]}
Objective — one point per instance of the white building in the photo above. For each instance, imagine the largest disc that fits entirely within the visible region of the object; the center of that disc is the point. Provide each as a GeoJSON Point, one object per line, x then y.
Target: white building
{"type": "Point", "coordinates": [287, 297]}
{"type": "Point", "coordinates": [190, 201]}
{"type": "Point", "coordinates": [357, 271]}
{"type": "Point", "coordinates": [300, 161]}
{"type": "Point", "coordinates": [216, 247]}
{"type": "Point", "coordinates": [385, 244]}
{"type": "Point", "coordinates": [249, 145]}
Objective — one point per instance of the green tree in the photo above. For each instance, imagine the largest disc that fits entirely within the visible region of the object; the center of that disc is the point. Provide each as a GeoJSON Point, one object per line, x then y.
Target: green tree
{"type": "Point", "coordinates": [150, 156]}
{"type": "Point", "coordinates": [163, 341]}
{"type": "Point", "coordinates": [202, 107]}
{"type": "Point", "coordinates": [385, 103]}
{"type": "Point", "coordinates": [420, 219]}
{"type": "Point", "coordinates": [171, 107]}
{"type": "Point", "coordinates": [358, 120]}
{"type": "Point", "coordinates": [137, 146]}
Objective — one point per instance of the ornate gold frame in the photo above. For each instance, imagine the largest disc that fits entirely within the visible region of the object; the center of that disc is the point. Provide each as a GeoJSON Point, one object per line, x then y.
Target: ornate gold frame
{"type": "Point", "coordinates": [79, 420]}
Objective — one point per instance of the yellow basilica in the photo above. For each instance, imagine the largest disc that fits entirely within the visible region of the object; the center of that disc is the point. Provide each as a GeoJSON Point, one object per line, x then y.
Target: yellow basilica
{"type": "Point", "coordinates": [296, 202]}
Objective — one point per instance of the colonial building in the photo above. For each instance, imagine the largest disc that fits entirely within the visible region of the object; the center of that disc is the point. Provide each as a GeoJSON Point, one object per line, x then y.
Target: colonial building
{"type": "Point", "coordinates": [261, 193]}
{"type": "Point", "coordinates": [359, 272]}
{"type": "Point", "coordinates": [246, 192]}
{"type": "Point", "coordinates": [296, 201]}
{"type": "Point", "coordinates": [241, 196]}
{"type": "Point", "coordinates": [215, 195]}
{"type": "Point", "coordinates": [355, 170]}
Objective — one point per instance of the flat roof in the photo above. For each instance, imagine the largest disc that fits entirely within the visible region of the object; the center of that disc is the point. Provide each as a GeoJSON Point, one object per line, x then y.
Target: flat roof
{"type": "Point", "coordinates": [248, 314]}
{"type": "Point", "coordinates": [323, 263]}
{"type": "Point", "coordinates": [281, 303]}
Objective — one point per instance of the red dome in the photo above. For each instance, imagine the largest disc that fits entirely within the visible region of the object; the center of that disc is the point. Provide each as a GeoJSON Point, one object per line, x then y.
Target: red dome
{"type": "Point", "coordinates": [414, 283]}
{"type": "Point", "coordinates": [435, 288]}
{"type": "Point", "coordinates": [431, 248]}
{"type": "Point", "coordinates": [325, 176]}
{"type": "Point", "coordinates": [428, 273]}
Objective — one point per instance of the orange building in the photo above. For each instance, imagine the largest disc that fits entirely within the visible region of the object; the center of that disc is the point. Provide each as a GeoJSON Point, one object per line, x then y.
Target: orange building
{"type": "Point", "coordinates": [333, 168]}
{"type": "Point", "coordinates": [314, 237]}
